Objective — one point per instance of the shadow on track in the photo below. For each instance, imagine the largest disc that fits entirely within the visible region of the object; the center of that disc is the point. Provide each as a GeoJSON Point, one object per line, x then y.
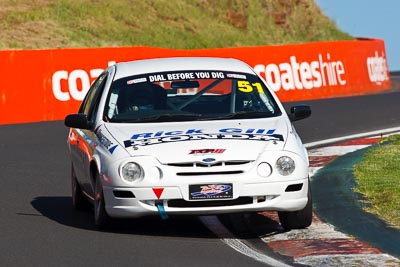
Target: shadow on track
{"type": "Point", "coordinates": [245, 226]}
{"type": "Point", "coordinates": [252, 225]}
{"type": "Point", "coordinates": [60, 210]}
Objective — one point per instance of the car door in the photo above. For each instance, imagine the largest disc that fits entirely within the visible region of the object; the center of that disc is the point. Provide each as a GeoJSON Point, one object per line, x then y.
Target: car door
{"type": "Point", "coordinates": [86, 140]}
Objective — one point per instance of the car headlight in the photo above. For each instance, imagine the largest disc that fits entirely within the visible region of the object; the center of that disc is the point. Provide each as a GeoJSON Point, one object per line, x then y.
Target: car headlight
{"type": "Point", "coordinates": [285, 165]}
{"type": "Point", "coordinates": [131, 172]}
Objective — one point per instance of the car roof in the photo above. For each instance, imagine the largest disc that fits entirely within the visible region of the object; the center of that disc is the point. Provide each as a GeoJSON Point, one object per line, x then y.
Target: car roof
{"type": "Point", "coordinates": [137, 67]}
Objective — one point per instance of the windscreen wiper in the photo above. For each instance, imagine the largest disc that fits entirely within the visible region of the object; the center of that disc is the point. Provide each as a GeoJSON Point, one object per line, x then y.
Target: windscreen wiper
{"type": "Point", "coordinates": [245, 115]}
{"type": "Point", "coordinates": [166, 117]}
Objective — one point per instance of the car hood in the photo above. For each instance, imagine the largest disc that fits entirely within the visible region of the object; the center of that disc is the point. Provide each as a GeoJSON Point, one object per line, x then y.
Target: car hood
{"type": "Point", "coordinates": [202, 140]}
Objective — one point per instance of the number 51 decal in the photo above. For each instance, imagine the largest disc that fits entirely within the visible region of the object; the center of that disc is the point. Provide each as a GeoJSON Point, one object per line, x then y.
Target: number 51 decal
{"type": "Point", "coordinates": [246, 87]}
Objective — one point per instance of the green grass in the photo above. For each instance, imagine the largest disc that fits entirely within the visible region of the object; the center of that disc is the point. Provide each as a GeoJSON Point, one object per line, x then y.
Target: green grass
{"type": "Point", "coordinates": [378, 178]}
{"type": "Point", "coordinates": [182, 24]}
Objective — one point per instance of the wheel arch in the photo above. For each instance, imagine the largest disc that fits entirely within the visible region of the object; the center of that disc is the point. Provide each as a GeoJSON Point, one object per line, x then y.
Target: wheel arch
{"type": "Point", "coordinates": [94, 170]}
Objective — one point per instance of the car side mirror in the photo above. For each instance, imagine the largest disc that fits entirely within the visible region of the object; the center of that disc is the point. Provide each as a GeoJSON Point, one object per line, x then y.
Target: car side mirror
{"type": "Point", "coordinates": [79, 121]}
{"type": "Point", "coordinates": [299, 112]}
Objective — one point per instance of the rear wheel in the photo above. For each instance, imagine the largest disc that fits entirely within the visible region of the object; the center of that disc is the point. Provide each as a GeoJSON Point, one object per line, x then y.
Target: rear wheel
{"type": "Point", "coordinates": [101, 218]}
{"type": "Point", "coordinates": [297, 219]}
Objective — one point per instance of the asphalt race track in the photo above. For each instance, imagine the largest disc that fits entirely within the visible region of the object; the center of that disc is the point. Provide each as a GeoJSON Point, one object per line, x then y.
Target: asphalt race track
{"type": "Point", "coordinates": [39, 228]}
{"type": "Point", "coordinates": [347, 116]}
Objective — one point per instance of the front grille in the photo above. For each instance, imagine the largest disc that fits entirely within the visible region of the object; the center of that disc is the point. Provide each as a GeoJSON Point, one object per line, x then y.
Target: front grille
{"type": "Point", "coordinates": [207, 173]}
{"type": "Point", "coordinates": [180, 203]}
{"type": "Point", "coordinates": [213, 164]}
{"type": "Point", "coordinates": [214, 168]}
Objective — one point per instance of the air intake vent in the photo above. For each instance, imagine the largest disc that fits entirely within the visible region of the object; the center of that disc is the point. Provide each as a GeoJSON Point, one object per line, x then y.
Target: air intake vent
{"type": "Point", "coordinates": [123, 194]}
{"type": "Point", "coordinates": [294, 187]}
{"type": "Point", "coordinates": [179, 203]}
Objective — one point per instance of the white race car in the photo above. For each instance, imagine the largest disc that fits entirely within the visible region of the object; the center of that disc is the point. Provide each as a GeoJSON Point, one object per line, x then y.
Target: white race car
{"type": "Point", "coordinates": [188, 135]}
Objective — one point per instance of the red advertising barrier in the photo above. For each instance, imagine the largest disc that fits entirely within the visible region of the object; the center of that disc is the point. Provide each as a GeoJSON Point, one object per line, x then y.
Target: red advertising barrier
{"type": "Point", "coordinates": [42, 85]}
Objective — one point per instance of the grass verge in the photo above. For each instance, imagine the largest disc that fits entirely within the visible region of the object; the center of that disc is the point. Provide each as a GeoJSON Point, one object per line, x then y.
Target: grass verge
{"type": "Point", "coordinates": [378, 179]}
{"type": "Point", "coordinates": [181, 24]}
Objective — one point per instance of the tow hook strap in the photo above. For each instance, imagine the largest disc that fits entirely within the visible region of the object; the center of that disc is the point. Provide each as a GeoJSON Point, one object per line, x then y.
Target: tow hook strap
{"type": "Point", "coordinates": [161, 211]}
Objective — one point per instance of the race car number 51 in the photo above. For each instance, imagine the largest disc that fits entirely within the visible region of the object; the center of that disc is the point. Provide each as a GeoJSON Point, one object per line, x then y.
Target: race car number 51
{"type": "Point", "coordinates": [246, 87]}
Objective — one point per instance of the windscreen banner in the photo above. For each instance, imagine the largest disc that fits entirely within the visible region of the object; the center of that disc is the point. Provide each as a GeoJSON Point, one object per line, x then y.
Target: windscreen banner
{"type": "Point", "coordinates": [43, 85]}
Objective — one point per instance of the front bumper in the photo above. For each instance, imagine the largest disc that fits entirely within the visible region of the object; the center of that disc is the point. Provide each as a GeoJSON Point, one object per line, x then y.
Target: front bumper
{"type": "Point", "coordinates": [136, 202]}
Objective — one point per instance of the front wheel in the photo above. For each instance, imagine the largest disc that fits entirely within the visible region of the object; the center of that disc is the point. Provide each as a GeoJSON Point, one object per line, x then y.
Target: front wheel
{"type": "Point", "coordinates": [297, 219]}
{"type": "Point", "coordinates": [101, 218]}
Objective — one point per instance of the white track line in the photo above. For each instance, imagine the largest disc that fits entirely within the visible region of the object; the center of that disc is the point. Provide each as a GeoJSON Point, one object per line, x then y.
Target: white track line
{"type": "Point", "coordinates": [350, 137]}
{"type": "Point", "coordinates": [213, 224]}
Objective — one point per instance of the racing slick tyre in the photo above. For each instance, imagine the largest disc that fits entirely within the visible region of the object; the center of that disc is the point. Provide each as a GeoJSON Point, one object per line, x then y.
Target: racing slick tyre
{"type": "Point", "coordinates": [79, 202]}
{"type": "Point", "coordinates": [101, 218]}
{"type": "Point", "coordinates": [297, 219]}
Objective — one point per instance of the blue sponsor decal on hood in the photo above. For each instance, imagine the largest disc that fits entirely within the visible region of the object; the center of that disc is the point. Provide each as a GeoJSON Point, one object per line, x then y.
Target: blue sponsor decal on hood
{"type": "Point", "coordinates": [200, 131]}
{"type": "Point", "coordinates": [111, 150]}
{"type": "Point", "coordinates": [182, 138]}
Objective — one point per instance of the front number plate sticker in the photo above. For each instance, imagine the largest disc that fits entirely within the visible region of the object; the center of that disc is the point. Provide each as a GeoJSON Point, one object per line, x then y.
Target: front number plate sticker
{"type": "Point", "coordinates": [210, 191]}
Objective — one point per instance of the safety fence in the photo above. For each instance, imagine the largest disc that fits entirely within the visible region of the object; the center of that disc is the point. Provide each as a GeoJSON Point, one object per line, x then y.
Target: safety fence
{"type": "Point", "coordinates": [43, 85]}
